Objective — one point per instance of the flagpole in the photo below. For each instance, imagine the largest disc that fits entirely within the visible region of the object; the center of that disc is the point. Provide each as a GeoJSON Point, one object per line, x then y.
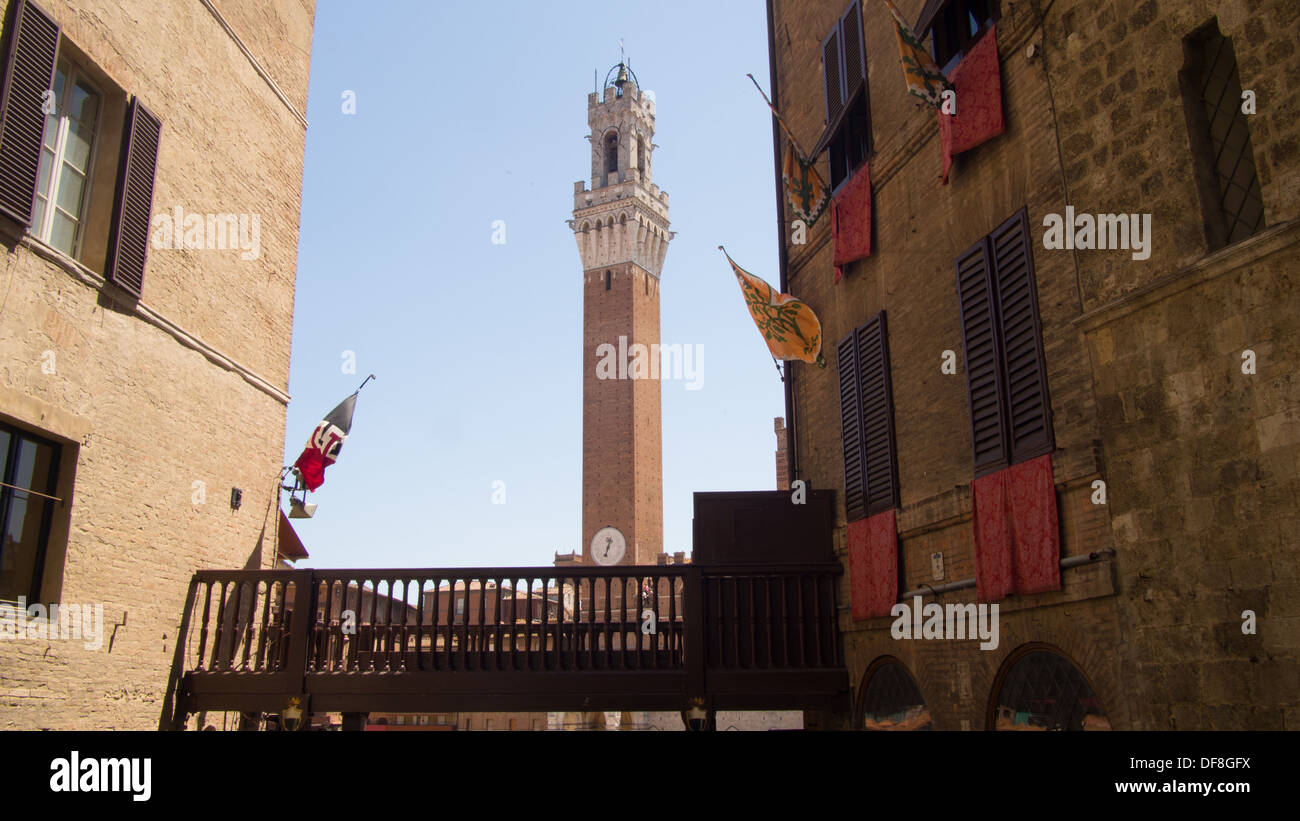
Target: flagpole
{"type": "Point", "coordinates": [777, 114]}
{"type": "Point", "coordinates": [363, 384]}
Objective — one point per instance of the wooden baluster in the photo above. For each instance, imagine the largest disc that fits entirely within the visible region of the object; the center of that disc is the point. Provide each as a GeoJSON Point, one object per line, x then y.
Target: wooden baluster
{"type": "Point", "coordinates": [675, 636]}
{"type": "Point", "coordinates": [436, 627]}
{"type": "Point", "coordinates": [218, 651]}
{"type": "Point", "coordinates": [374, 638]}
{"type": "Point", "coordinates": [785, 625]}
{"type": "Point", "coordinates": [546, 622]}
{"type": "Point", "coordinates": [482, 623]}
{"type": "Point", "coordinates": [259, 659]}
{"type": "Point", "coordinates": [609, 658]}
{"type": "Point", "coordinates": [767, 620]}
{"type": "Point", "coordinates": [419, 625]}
{"type": "Point", "coordinates": [753, 627]}
{"type": "Point", "coordinates": [203, 628]}
{"type": "Point", "coordinates": [802, 632]}
{"type": "Point", "coordinates": [590, 633]}
{"type": "Point", "coordinates": [497, 650]}
{"type": "Point", "coordinates": [624, 656]}
{"type": "Point", "coordinates": [735, 618]}
{"type": "Point", "coordinates": [817, 620]}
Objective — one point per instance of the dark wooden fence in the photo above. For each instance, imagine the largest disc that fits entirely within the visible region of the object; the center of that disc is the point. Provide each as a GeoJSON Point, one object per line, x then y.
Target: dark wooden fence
{"type": "Point", "coordinates": [628, 638]}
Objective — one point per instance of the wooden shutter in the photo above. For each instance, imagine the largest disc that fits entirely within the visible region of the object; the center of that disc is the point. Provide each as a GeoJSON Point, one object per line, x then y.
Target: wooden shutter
{"type": "Point", "coordinates": [1029, 423]}
{"type": "Point", "coordinates": [876, 397]}
{"type": "Point", "coordinates": [128, 245]}
{"type": "Point", "coordinates": [979, 327]}
{"type": "Point", "coordinates": [33, 44]}
{"type": "Point", "coordinates": [832, 74]}
{"type": "Point", "coordinates": [851, 45]}
{"type": "Point", "coordinates": [851, 428]}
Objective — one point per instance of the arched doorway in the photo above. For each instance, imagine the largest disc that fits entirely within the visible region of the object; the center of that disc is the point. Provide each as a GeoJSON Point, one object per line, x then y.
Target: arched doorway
{"type": "Point", "coordinates": [1040, 688]}
{"type": "Point", "coordinates": [889, 699]}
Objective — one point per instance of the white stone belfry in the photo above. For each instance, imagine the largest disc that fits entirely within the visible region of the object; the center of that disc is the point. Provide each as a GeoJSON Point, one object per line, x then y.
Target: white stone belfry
{"type": "Point", "coordinates": [624, 216]}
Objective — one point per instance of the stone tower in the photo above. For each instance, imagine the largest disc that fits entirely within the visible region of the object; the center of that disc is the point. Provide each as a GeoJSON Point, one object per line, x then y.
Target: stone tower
{"type": "Point", "coordinates": [621, 225]}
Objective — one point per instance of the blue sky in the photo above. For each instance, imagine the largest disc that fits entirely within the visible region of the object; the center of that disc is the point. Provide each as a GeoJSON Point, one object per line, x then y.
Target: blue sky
{"type": "Point", "coordinates": [468, 113]}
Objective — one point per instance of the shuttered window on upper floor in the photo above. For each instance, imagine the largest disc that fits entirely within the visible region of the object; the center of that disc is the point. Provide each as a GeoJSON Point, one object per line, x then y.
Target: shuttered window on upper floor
{"type": "Point", "coordinates": [1006, 378]}
{"type": "Point", "coordinates": [956, 25]}
{"type": "Point", "coordinates": [77, 157]}
{"type": "Point", "coordinates": [867, 420]}
{"type": "Point", "coordinates": [847, 137]}
{"type": "Point", "coordinates": [129, 244]}
{"type": "Point", "coordinates": [31, 40]}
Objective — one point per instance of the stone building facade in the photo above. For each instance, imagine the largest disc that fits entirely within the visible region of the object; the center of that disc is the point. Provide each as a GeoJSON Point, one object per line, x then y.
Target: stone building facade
{"type": "Point", "coordinates": [145, 335]}
{"type": "Point", "coordinates": [1171, 395]}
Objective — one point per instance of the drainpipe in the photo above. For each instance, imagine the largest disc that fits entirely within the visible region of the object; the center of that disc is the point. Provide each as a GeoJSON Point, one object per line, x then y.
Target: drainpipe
{"type": "Point", "coordinates": [792, 431]}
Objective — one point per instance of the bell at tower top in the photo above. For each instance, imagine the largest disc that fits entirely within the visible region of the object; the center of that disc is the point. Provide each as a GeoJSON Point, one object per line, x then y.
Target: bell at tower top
{"type": "Point", "coordinates": [622, 121]}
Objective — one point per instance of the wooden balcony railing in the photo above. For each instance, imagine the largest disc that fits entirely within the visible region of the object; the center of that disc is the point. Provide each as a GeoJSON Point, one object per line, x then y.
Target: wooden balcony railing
{"type": "Point", "coordinates": [445, 640]}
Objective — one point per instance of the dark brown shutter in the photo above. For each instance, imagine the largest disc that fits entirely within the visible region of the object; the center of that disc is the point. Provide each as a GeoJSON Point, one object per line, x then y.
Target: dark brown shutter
{"type": "Point", "coordinates": [851, 428]}
{"type": "Point", "coordinates": [1029, 411]}
{"type": "Point", "coordinates": [33, 44]}
{"type": "Point", "coordinates": [979, 326]}
{"type": "Point", "coordinates": [832, 74]}
{"type": "Point", "coordinates": [128, 244]}
{"type": "Point", "coordinates": [851, 34]}
{"type": "Point", "coordinates": [876, 397]}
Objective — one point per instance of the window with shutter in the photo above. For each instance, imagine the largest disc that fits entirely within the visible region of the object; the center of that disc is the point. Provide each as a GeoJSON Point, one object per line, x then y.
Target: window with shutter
{"type": "Point", "coordinates": [832, 76]}
{"type": "Point", "coordinates": [851, 427]}
{"type": "Point", "coordinates": [128, 244]}
{"type": "Point", "coordinates": [957, 25]}
{"type": "Point", "coordinates": [1029, 424]}
{"type": "Point", "coordinates": [32, 45]}
{"type": "Point", "coordinates": [847, 138]}
{"type": "Point", "coordinates": [1006, 378]}
{"type": "Point", "coordinates": [867, 421]}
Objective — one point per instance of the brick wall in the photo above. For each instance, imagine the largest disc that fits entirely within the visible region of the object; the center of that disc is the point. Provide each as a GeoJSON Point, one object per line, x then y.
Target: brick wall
{"type": "Point", "coordinates": [141, 414]}
{"type": "Point", "coordinates": [1143, 358]}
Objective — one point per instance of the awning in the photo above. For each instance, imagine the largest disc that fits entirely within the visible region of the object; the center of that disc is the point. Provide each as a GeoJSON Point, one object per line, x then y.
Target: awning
{"type": "Point", "coordinates": [289, 545]}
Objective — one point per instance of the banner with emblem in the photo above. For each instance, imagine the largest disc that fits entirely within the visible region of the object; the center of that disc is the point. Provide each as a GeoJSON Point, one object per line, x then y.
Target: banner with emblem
{"type": "Point", "coordinates": [325, 443]}
{"type": "Point", "coordinates": [924, 78]}
{"type": "Point", "coordinates": [805, 190]}
{"type": "Point", "coordinates": [788, 325]}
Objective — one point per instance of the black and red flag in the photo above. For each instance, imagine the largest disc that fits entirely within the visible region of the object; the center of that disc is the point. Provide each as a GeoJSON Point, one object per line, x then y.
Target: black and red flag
{"type": "Point", "coordinates": [325, 443]}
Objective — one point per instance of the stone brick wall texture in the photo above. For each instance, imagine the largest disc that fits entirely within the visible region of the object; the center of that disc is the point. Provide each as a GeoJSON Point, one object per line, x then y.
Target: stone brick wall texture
{"type": "Point", "coordinates": [1143, 357]}
{"type": "Point", "coordinates": [142, 417]}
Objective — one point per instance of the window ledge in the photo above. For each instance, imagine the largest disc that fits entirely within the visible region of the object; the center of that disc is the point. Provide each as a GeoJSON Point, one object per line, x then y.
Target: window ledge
{"type": "Point", "coordinates": [1223, 261]}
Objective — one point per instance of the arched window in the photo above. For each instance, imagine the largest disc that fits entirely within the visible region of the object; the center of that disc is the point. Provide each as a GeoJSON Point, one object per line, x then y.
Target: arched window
{"type": "Point", "coordinates": [607, 280]}
{"type": "Point", "coordinates": [640, 155]}
{"type": "Point", "coordinates": [889, 698]}
{"type": "Point", "coordinates": [611, 152]}
{"type": "Point", "coordinates": [1039, 688]}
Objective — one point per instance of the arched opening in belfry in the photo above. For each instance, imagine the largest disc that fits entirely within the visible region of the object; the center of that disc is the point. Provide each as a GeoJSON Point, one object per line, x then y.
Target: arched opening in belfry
{"type": "Point", "coordinates": [640, 155]}
{"type": "Point", "coordinates": [611, 152]}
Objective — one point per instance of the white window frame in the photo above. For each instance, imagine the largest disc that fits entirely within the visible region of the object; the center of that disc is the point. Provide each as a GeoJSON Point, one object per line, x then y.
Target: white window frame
{"type": "Point", "coordinates": [72, 76]}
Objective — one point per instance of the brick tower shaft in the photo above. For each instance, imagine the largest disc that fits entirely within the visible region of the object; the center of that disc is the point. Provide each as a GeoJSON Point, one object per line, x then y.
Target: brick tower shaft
{"type": "Point", "coordinates": [621, 226]}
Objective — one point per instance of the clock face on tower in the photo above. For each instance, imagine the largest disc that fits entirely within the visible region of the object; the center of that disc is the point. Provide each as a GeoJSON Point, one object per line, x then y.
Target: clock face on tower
{"type": "Point", "coordinates": [608, 546]}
